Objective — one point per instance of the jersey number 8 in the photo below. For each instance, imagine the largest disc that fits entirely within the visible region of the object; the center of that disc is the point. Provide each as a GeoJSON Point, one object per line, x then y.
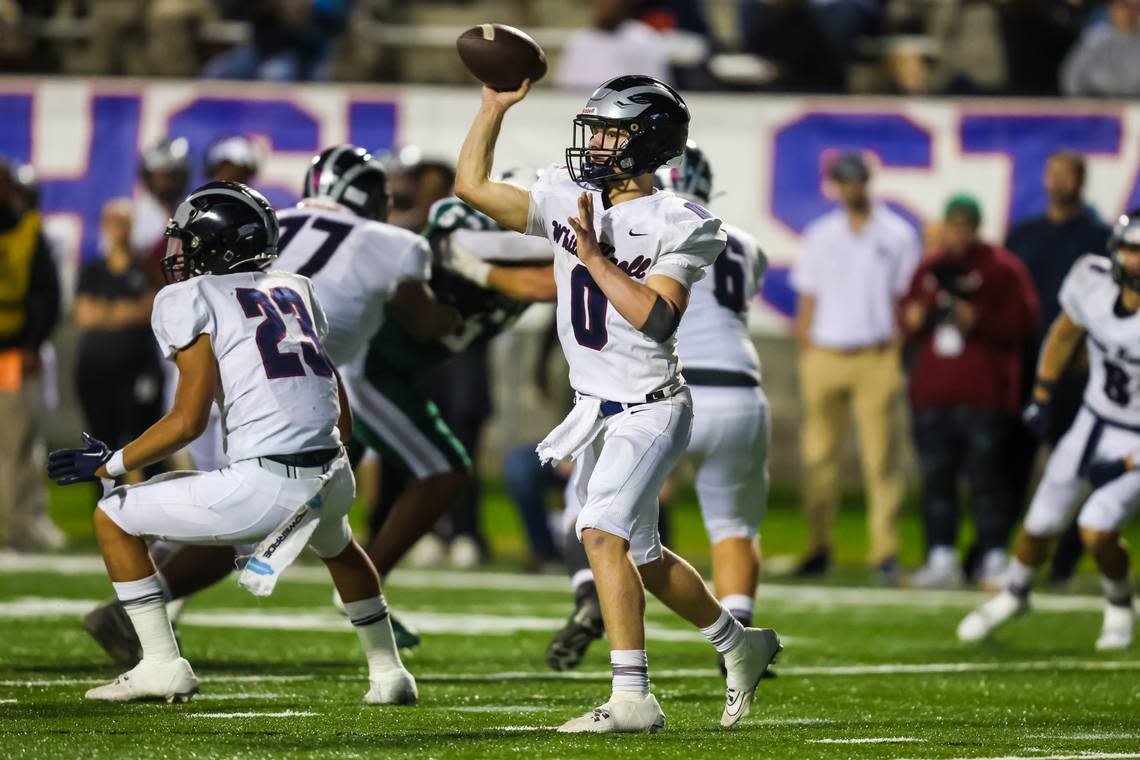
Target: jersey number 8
{"type": "Point", "coordinates": [274, 306]}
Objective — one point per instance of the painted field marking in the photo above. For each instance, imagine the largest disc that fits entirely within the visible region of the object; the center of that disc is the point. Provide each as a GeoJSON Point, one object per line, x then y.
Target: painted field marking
{"type": "Point", "coordinates": [239, 695]}
{"type": "Point", "coordinates": [494, 708]}
{"type": "Point", "coordinates": [256, 714]}
{"type": "Point", "coordinates": [1081, 756]}
{"type": "Point", "coordinates": [8, 701]}
{"type": "Point", "coordinates": [523, 728]}
{"type": "Point", "coordinates": [871, 740]}
{"type": "Point", "coordinates": [794, 595]}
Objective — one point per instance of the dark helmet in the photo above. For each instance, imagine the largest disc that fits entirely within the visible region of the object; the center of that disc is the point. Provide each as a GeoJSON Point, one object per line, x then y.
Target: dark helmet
{"type": "Point", "coordinates": [221, 228]}
{"type": "Point", "coordinates": [652, 113]}
{"type": "Point", "coordinates": [351, 177]}
{"type": "Point", "coordinates": [692, 179]}
{"type": "Point", "coordinates": [1125, 234]}
{"type": "Point", "coordinates": [167, 155]}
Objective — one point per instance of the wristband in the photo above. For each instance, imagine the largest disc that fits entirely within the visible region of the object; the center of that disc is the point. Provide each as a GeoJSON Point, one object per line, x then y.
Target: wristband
{"type": "Point", "coordinates": [115, 466]}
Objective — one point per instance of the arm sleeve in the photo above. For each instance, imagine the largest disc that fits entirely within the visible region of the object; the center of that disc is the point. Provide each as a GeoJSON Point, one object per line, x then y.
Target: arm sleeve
{"type": "Point", "coordinates": [42, 303]}
{"type": "Point", "coordinates": [686, 263]}
{"type": "Point", "coordinates": [181, 314]}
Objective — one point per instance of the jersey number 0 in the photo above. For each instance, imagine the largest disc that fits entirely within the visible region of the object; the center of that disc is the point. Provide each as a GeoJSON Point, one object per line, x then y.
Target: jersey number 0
{"type": "Point", "coordinates": [274, 307]}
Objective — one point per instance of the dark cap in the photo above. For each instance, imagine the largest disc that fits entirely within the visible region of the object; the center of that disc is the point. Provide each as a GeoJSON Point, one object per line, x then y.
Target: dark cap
{"type": "Point", "coordinates": [849, 167]}
{"type": "Point", "coordinates": [966, 205]}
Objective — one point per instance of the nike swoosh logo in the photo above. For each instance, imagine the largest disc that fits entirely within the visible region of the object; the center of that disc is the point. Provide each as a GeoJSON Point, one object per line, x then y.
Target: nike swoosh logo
{"type": "Point", "coordinates": [735, 703]}
{"type": "Point", "coordinates": [637, 234]}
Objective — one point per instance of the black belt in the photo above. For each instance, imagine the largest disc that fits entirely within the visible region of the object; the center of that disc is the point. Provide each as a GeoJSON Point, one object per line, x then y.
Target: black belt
{"type": "Point", "coordinates": [610, 408]}
{"type": "Point", "coordinates": [306, 458]}
{"type": "Point", "coordinates": [722, 377]}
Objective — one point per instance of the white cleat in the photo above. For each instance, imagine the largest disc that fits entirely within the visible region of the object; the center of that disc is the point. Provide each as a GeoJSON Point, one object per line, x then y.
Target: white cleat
{"type": "Point", "coordinates": [938, 576]}
{"type": "Point", "coordinates": [983, 621]}
{"type": "Point", "coordinates": [627, 716]}
{"type": "Point", "coordinates": [743, 676]}
{"type": "Point", "coordinates": [392, 687]}
{"type": "Point", "coordinates": [1116, 633]}
{"type": "Point", "coordinates": [172, 681]}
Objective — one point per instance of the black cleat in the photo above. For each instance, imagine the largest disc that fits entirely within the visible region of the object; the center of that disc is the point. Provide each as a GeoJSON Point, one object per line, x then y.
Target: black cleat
{"type": "Point", "coordinates": [585, 626]}
{"type": "Point", "coordinates": [814, 565]}
{"type": "Point", "coordinates": [111, 628]}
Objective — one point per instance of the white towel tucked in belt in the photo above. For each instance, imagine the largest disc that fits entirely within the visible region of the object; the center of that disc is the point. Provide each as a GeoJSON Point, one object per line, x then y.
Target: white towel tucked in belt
{"type": "Point", "coordinates": [281, 547]}
{"type": "Point", "coordinates": [576, 432]}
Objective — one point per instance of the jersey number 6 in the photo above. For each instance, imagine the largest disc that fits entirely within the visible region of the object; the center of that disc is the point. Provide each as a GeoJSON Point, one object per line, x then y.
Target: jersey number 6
{"type": "Point", "coordinates": [274, 306]}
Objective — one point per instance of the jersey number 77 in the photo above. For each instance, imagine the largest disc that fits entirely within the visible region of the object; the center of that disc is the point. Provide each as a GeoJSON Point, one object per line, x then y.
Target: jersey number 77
{"type": "Point", "coordinates": [274, 306]}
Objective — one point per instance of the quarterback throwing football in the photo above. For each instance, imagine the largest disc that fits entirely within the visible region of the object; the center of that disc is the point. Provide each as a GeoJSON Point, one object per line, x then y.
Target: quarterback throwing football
{"type": "Point", "coordinates": [625, 257]}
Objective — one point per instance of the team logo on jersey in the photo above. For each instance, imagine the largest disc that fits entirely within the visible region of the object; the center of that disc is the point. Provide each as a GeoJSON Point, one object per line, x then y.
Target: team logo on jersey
{"type": "Point", "coordinates": [565, 237]}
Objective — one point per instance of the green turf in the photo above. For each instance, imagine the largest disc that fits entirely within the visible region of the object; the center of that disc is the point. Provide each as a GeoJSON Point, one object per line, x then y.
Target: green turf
{"type": "Point", "coordinates": [1040, 689]}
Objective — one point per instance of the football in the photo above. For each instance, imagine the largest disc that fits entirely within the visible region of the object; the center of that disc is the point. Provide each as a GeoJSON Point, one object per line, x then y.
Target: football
{"type": "Point", "coordinates": [501, 56]}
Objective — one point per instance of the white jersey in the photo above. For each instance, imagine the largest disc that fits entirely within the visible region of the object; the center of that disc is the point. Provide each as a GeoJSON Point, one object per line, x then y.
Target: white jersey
{"type": "Point", "coordinates": [1088, 296]}
{"type": "Point", "coordinates": [277, 392]}
{"type": "Point", "coordinates": [355, 264]}
{"type": "Point", "coordinates": [660, 234]}
{"type": "Point", "coordinates": [713, 333]}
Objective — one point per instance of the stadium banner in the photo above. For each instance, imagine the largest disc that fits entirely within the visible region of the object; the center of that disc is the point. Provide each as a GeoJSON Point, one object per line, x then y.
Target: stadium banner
{"type": "Point", "coordinates": [767, 152]}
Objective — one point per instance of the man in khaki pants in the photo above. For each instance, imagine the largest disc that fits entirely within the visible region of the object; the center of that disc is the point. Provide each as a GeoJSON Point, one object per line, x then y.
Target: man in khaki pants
{"type": "Point", "coordinates": [856, 263]}
{"type": "Point", "coordinates": [29, 308]}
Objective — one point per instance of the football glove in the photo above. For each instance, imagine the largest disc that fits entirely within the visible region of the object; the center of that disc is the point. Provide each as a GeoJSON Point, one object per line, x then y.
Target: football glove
{"type": "Point", "coordinates": [1105, 471]}
{"type": "Point", "coordinates": [456, 258]}
{"type": "Point", "coordinates": [68, 466]}
{"type": "Point", "coordinates": [1036, 418]}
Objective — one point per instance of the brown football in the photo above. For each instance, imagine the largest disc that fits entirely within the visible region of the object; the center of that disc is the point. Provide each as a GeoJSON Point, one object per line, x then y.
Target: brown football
{"type": "Point", "coordinates": [501, 56]}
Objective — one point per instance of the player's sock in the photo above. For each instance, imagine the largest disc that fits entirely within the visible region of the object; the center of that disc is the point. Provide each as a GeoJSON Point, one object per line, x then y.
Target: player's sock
{"type": "Point", "coordinates": [630, 674]}
{"type": "Point", "coordinates": [740, 607]}
{"type": "Point", "coordinates": [1117, 592]}
{"type": "Point", "coordinates": [145, 605]}
{"type": "Point", "coordinates": [374, 629]}
{"type": "Point", "coordinates": [580, 579]}
{"type": "Point", "coordinates": [1019, 578]}
{"type": "Point", "coordinates": [726, 634]}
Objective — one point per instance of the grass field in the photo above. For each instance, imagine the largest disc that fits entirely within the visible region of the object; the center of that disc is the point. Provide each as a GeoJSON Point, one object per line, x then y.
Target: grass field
{"type": "Point", "coordinates": [867, 672]}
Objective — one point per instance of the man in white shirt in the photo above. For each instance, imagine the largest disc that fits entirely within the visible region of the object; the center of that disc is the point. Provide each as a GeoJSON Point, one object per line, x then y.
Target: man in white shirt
{"type": "Point", "coordinates": [856, 263]}
{"type": "Point", "coordinates": [612, 45]}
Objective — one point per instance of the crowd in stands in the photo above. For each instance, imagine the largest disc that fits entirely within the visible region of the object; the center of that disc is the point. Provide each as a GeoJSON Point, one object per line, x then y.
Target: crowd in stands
{"type": "Point", "coordinates": [1084, 48]}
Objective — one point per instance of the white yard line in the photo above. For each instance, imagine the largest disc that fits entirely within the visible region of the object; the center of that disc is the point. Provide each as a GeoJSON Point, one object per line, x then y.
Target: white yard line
{"type": "Point", "coordinates": [266, 695]}
{"type": "Point", "coordinates": [256, 714]}
{"type": "Point", "coordinates": [791, 594]}
{"type": "Point", "coordinates": [8, 701]}
{"type": "Point", "coordinates": [871, 740]}
{"type": "Point", "coordinates": [494, 708]}
{"type": "Point", "coordinates": [522, 728]}
{"type": "Point", "coordinates": [1081, 756]}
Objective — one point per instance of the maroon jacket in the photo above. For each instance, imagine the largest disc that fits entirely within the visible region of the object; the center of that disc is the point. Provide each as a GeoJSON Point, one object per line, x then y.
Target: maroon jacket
{"type": "Point", "coordinates": [987, 372]}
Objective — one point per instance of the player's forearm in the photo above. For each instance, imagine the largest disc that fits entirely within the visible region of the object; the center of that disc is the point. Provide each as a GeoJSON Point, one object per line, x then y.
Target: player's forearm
{"type": "Point", "coordinates": [477, 155]}
{"type": "Point", "coordinates": [160, 440]}
{"type": "Point", "coordinates": [632, 300]}
{"type": "Point", "coordinates": [1062, 340]}
{"type": "Point", "coordinates": [523, 283]}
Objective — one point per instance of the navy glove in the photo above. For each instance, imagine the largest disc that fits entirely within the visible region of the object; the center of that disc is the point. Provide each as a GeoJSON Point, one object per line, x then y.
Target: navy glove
{"type": "Point", "coordinates": [68, 466]}
{"type": "Point", "coordinates": [1036, 418]}
{"type": "Point", "coordinates": [1105, 471]}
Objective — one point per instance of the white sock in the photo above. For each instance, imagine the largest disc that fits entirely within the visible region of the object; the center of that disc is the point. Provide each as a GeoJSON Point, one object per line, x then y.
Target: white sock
{"type": "Point", "coordinates": [726, 633]}
{"type": "Point", "coordinates": [942, 556]}
{"type": "Point", "coordinates": [374, 629]}
{"type": "Point", "coordinates": [740, 607]}
{"type": "Point", "coordinates": [143, 600]}
{"type": "Point", "coordinates": [580, 579]}
{"type": "Point", "coordinates": [1019, 577]}
{"type": "Point", "coordinates": [630, 673]}
{"type": "Point", "coordinates": [1117, 592]}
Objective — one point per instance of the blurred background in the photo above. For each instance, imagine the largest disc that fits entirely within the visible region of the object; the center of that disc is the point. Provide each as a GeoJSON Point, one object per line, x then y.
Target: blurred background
{"type": "Point", "coordinates": [112, 110]}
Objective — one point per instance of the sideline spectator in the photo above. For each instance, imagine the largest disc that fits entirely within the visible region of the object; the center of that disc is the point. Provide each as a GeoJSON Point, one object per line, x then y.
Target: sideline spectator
{"type": "Point", "coordinates": [232, 159]}
{"type": "Point", "coordinates": [117, 373]}
{"type": "Point", "coordinates": [29, 310]}
{"type": "Point", "coordinates": [614, 44]}
{"type": "Point", "coordinates": [164, 174]}
{"type": "Point", "coordinates": [969, 311]}
{"type": "Point", "coordinates": [857, 261]}
{"type": "Point", "coordinates": [291, 41]}
{"type": "Point", "coordinates": [1036, 35]}
{"type": "Point", "coordinates": [1049, 244]}
{"type": "Point", "coordinates": [1106, 59]}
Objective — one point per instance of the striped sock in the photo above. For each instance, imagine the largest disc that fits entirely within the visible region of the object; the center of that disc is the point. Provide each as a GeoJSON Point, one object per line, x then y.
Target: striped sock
{"type": "Point", "coordinates": [740, 607]}
{"type": "Point", "coordinates": [145, 605]}
{"type": "Point", "coordinates": [1117, 592]}
{"type": "Point", "coordinates": [725, 633]}
{"type": "Point", "coordinates": [1019, 578]}
{"type": "Point", "coordinates": [374, 629]}
{"type": "Point", "coordinates": [630, 673]}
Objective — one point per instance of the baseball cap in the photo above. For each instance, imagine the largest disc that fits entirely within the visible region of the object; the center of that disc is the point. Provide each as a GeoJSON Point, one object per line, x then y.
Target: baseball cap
{"type": "Point", "coordinates": [849, 167]}
{"type": "Point", "coordinates": [966, 204]}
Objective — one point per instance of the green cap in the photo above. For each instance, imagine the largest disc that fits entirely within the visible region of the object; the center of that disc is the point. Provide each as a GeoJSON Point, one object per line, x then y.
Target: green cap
{"type": "Point", "coordinates": [963, 203]}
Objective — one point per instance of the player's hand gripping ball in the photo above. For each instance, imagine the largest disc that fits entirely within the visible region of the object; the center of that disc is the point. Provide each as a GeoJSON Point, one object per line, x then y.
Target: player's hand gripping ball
{"type": "Point", "coordinates": [501, 56]}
